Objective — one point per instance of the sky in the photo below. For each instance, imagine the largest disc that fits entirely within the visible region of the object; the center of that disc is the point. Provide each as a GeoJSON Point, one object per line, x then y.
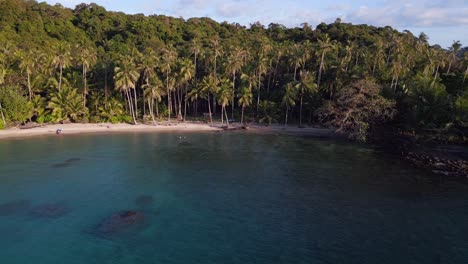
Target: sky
{"type": "Point", "coordinates": [442, 20]}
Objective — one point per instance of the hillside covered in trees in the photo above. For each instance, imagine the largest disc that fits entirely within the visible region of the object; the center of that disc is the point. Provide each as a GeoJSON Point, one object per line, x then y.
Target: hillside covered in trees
{"type": "Point", "coordinates": [91, 65]}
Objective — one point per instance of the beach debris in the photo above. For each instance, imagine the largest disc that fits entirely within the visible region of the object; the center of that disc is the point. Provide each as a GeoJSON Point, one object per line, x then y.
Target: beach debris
{"type": "Point", "coordinates": [66, 163]}
{"type": "Point", "coordinates": [58, 131]}
{"type": "Point", "coordinates": [120, 222]}
{"type": "Point", "coordinates": [144, 200]}
{"type": "Point", "coordinates": [14, 207]}
{"type": "Point", "coordinates": [50, 210]}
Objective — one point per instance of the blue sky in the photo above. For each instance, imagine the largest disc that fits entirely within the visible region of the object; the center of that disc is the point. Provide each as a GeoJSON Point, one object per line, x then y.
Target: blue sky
{"type": "Point", "coordinates": [442, 20]}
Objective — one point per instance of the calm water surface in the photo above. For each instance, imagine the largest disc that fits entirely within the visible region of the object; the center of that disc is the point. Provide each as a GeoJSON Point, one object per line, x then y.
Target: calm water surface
{"type": "Point", "coordinates": [223, 198]}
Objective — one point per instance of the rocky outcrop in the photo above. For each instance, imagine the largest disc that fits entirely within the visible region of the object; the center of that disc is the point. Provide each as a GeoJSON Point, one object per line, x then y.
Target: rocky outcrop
{"type": "Point", "coordinates": [437, 164]}
{"type": "Point", "coordinates": [119, 223]}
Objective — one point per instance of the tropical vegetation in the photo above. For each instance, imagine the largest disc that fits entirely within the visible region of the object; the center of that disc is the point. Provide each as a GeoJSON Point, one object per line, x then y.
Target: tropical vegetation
{"type": "Point", "coordinates": [90, 65]}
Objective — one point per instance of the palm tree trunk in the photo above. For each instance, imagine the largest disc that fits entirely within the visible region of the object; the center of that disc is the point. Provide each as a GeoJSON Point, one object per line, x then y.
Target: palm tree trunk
{"type": "Point", "coordinates": [136, 104]}
{"type": "Point", "coordinates": [286, 117]}
{"type": "Point", "coordinates": [85, 84]}
{"type": "Point", "coordinates": [464, 76]}
{"type": "Point", "coordinates": [60, 78]}
{"type": "Point", "coordinates": [242, 115]}
{"type": "Point", "coordinates": [29, 87]}
{"type": "Point", "coordinates": [106, 93]}
{"type": "Point", "coordinates": [209, 109]}
{"type": "Point", "coordinates": [150, 108]}
{"type": "Point", "coordinates": [168, 96]}
{"type": "Point", "coordinates": [233, 92]}
{"type": "Point", "coordinates": [3, 116]}
{"type": "Point", "coordinates": [227, 120]}
{"type": "Point", "coordinates": [450, 66]}
{"type": "Point", "coordinates": [222, 115]}
{"type": "Point", "coordinates": [185, 103]}
{"type": "Point", "coordinates": [300, 112]}
{"type": "Point", "coordinates": [157, 109]}
{"type": "Point", "coordinates": [269, 76]}
{"type": "Point", "coordinates": [259, 87]}
{"type": "Point", "coordinates": [320, 70]}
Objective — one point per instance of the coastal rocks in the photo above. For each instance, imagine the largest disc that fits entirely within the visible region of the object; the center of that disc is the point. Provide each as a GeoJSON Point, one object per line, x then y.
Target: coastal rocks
{"type": "Point", "coordinates": [50, 211]}
{"type": "Point", "coordinates": [120, 222]}
{"type": "Point", "coordinates": [438, 165]}
{"type": "Point", "coordinates": [144, 200]}
{"type": "Point", "coordinates": [14, 207]}
{"type": "Point", "coordinates": [66, 163]}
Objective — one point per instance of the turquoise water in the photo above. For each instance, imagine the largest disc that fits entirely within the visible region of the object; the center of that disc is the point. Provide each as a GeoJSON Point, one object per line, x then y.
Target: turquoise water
{"type": "Point", "coordinates": [223, 198]}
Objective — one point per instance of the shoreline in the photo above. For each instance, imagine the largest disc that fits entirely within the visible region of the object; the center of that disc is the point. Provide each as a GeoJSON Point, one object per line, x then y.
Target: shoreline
{"type": "Point", "coordinates": [101, 128]}
{"type": "Point", "coordinates": [104, 128]}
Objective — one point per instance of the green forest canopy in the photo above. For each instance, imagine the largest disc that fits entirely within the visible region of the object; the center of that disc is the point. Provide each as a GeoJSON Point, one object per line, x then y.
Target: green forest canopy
{"type": "Point", "coordinates": [92, 65]}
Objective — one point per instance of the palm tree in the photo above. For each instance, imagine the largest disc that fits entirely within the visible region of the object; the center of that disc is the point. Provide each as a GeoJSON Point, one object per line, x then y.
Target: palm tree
{"type": "Point", "coordinates": [325, 45]}
{"type": "Point", "coordinates": [225, 95]}
{"type": "Point", "coordinates": [154, 90]}
{"type": "Point", "coordinates": [147, 67]}
{"type": "Point", "coordinates": [66, 104]}
{"type": "Point", "coordinates": [126, 76]}
{"type": "Point", "coordinates": [296, 57]}
{"type": "Point", "coordinates": [87, 58]}
{"type": "Point", "coordinates": [305, 86]}
{"type": "Point", "coordinates": [454, 49]}
{"type": "Point", "coordinates": [209, 85]}
{"type": "Point", "coordinates": [169, 58]}
{"type": "Point", "coordinates": [186, 73]}
{"type": "Point", "coordinates": [251, 79]}
{"type": "Point", "coordinates": [235, 63]}
{"type": "Point", "coordinates": [245, 100]}
{"type": "Point", "coordinates": [289, 99]}
{"type": "Point", "coordinates": [27, 65]}
{"type": "Point", "coordinates": [62, 59]}
{"type": "Point", "coordinates": [216, 52]}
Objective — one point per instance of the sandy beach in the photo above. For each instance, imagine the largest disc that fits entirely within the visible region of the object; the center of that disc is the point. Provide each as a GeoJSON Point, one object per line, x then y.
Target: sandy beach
{"type": "Point", "coordinates": [172, 127]}
{"type": "Point", "coordinates": [102, 128]}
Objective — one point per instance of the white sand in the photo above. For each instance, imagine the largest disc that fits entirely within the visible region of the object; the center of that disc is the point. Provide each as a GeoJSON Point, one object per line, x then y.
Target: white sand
{"type": "Point", "coordinates": [103, 128]}
{"type": "Point", "coordinates": [164, 127]}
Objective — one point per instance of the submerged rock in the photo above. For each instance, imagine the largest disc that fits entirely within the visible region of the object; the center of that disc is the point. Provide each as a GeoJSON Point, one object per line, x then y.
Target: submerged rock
{"type": "Point", "coordinates": [144, 200]}
{"type": "Point", "coordinates": [120, 222]}
{"type": "Point", "coordinates": [50, 211]}
{"type": "Point", "coordinates": [66, 163]}
{"type": "Point", "coordinates": [14, 207]}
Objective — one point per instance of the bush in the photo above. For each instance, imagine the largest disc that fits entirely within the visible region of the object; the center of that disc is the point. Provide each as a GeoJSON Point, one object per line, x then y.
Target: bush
{"type": "Point", "coordinates": [15, 106]}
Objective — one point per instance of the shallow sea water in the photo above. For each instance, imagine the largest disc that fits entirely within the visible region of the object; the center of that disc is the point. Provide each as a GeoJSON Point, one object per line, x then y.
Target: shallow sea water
{"type": "Point", "coordinates": [223, 198]}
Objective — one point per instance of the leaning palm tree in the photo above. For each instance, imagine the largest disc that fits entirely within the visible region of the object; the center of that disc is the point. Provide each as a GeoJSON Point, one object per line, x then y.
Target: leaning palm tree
{"type": "Point", "coordinates": [325, 45]}
{"type": "Point", "coordinates": [154, 91]}
{"type": "Point", "coordinates": [209, 86]}
{"type": "Point", "coordinates": [87, 58]}
{"type": "Point", "coordinates": [169, 57]}
{"type": "Point", "coordinates": [289, 99]}
{"type": "Point", "coordinates": [126, 76]}
{"type": "Point", "coordinates": [305, 86]}
{"type": "Point", "coordinates": [454, 49]}
{"type": "Point", "coordinates": [27, 66]}
{"type": "Point", "coordinates": [245, 100]}
{"type": "Point", "coordinates": [147, 67]}
{"type": "Point", "coordinates": [186, 74]}
{"type": "Point", "coordinates": [234, 64]}
{"type": "Point", "coordinates": [61, 59]}
{"type": "Point", "coordinates": [225, 95]}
